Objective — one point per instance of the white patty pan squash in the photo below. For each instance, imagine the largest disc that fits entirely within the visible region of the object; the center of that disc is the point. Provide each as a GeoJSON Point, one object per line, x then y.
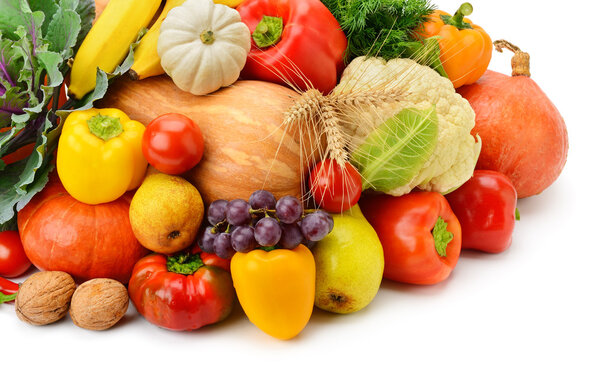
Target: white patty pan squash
{"type": "Point", "coordinates": [203, 46]}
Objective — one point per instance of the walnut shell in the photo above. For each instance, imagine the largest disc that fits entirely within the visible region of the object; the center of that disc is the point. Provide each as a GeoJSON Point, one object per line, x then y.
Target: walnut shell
{"type": "Point", "coordinates": [99, 304]}
{"type": "Point", "coordinates": [44, 297]}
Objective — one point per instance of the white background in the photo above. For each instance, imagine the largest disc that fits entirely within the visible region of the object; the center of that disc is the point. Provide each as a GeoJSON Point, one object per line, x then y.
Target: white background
{"type": "Point", "coordinates": [531, 310]}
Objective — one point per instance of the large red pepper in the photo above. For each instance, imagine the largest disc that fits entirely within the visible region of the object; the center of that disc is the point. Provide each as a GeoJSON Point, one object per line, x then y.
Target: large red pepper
{"type": "Point", "coordinates": [486, 207]}
{"type": "Point", "coordinates": [420, 234]}
{"type": "Point", "coordinates": [181, 292]}
{"type": "Point", "coordinates": [294, 41]}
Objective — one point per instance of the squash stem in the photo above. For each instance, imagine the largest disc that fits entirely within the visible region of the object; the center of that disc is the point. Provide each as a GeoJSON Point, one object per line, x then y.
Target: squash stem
{"type": "Point", "coordinates": [519, 62]}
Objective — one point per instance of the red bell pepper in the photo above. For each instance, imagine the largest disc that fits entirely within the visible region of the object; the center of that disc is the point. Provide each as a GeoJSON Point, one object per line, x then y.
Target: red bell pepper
{"type": "Point", "coordinates": [297, 41]}
{"type": "Point", "coordinates": [8, 290]}
{"type": "Point", "coordinates": [486, 208]}
{"type": "Point", "coordinates": [420, 234]}
{"type": "Point", "coordinates": [181, 292]}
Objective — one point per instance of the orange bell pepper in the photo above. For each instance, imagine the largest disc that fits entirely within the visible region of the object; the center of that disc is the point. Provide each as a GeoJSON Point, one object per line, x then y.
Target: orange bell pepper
{"type": "Point", "coordinates": [465, 48]}
{"type": "Point", "coordinates": [276, 289]}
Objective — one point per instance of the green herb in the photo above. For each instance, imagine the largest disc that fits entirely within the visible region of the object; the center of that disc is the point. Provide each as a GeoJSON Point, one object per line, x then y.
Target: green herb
{"type": "Point", "coordinates": [37, 39]}
{"type": "Point", "coordinates": [386, 28]}
{"type": "Point", "coordinates": [395, 152]}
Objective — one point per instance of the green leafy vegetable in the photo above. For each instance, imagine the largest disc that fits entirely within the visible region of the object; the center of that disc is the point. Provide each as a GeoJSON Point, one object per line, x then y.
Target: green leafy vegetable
{"type": "Point", "coordinates": [37, 38]}
{"type": "Point", "coordinates": [394, 153]}
{"type": "Point", "coordinates": [386, 28]}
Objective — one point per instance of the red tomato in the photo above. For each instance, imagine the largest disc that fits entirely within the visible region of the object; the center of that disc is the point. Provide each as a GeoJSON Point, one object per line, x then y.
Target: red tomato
{"type": "Point", "coordinates": [181, 292]}
{"type": "Point", "coordinates": [485, 206]}
{"type": "Point", "coordinates": [420, 234]}
{"type": "Point", "coordinates": [335, 188]}
{"type": "Point", "coordinates": [13, 261]}
{"type": "Point", "coordinates": [173, 143]}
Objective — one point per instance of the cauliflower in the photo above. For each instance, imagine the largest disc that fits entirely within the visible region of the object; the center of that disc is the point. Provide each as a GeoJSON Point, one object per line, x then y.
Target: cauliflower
{"type": "Point", "coordinates": [414, 86]}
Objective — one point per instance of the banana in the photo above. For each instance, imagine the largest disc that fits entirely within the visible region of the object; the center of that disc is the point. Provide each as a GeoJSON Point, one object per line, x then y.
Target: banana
{"type": "Point", "coordinates": [107, 43]}
{"type": "Point", "coordinates": [146, 62]}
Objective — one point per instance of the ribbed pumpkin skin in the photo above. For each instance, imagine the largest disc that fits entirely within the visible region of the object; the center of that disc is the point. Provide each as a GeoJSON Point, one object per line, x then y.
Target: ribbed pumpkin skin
{"type": "Point", "coordinates": [60, 233]}
{"type": "Point", "coordinates": [523, 134]}
{"type": "Point", "coordinates": [246, 147]}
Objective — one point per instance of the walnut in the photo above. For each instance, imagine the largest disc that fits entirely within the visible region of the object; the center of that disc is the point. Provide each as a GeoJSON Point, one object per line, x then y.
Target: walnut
{"type": "Point", "coordinates": [44, 297]}
{"type": "Point", "coordinates": [99, 304]}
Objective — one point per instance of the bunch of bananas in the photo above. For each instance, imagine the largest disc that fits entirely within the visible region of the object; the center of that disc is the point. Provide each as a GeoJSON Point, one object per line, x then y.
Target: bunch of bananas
{"type": "Point", "coordinates": [107, 43]}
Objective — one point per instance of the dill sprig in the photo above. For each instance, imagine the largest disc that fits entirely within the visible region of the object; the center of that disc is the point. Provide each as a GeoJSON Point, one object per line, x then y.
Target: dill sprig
{"type": "Point", "coordinates": [383, 28]}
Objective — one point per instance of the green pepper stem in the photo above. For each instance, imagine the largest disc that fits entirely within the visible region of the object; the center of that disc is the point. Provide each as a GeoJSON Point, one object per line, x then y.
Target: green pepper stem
{"type": "Point", "coordinates": [441, 236]}
{"type": "Point", "coordinates": [457, 20]}
{"type": "Point", "coordinates": [184, 263]}
{"type": "Point", "coordinates": [105, 127]}
{"type": "Point", "coordinates": [268, 31]}
{"type": "Point", "coordinates": [7, 297]}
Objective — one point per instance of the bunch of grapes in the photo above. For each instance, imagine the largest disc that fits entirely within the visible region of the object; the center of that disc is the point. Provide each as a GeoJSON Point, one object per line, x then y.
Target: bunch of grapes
{"type": "Point", "coordinates": [263, 221]}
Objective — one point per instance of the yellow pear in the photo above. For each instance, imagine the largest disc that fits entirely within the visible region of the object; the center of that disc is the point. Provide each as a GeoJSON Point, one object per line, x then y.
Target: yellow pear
{"type": "Point", "coordinates": [349, 264]}
{"type": "Point", "coordinates": [165, 213]}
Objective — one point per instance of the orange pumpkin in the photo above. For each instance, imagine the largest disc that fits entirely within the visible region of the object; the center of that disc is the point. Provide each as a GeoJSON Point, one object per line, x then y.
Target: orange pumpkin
{"type": "Point", "coordinates": [523, 134]}
{"type": "Point", "coordinates": [60, 233]}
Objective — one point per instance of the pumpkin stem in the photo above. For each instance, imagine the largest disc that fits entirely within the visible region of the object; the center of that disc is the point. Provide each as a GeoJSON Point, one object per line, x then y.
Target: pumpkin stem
{"type": "Point", "coordinates": [207, 37]}
{"type": "Point", "coordinates": [519, 62]}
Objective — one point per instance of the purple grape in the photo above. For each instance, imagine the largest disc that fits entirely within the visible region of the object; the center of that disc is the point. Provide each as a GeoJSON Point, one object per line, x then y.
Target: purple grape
{"type": "Point", "coordinates": [208, 240]}
{"type": "Point", "coordinates": [216, 211]}
{"type": "Point", "coordinates": [238, 212]}
{"type": "Point", "coordinates": [328, 217]}
{"type": "Point", "coordinates": [223, 247]}
{"type": "Point", "coordinates": [315, 226]}
{"type": "Point", "coordinates": [242, 239]}
{"type": "Point", "coordinates": [309, 244]}
{"type": "Point", "coordinates": [291, 236]}
{"type": "Point", "coordinates": [288, 209]}
{"type": "Point", "coordinates": [267, 232]}
{"type": "Point", "coordinates": [262, 199]}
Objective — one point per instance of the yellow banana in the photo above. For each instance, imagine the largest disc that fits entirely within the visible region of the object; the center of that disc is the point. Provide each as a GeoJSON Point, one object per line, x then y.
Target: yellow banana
{"type": "Point", "coordinates": [107, 43]}
{"type": "Point", "coordinates": [146, 60]}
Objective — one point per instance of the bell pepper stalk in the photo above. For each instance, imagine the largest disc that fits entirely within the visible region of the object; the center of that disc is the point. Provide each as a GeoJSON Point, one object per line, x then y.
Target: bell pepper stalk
{"type": "Point", "coordinates": [294, 41]}
{"type": "Point", "coordinates": [458, 33]}
{"type": "Point", "coordinates": [100, 155]}
{"type": "Point", "coordinates": [276, 288]}
{"type": "Point", "coordinates": [8, 290]}
{"type": "Point", "coordinates": [486, 207]}
{"type": "Point", "coordinates": [181, 292]}
{"type": "Point", "coordinates": [420, 234]}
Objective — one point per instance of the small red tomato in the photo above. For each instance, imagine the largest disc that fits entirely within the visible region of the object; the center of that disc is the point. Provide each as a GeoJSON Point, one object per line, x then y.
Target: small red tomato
{"type": "Point", "coordinates": [13, 261]}
{"type": "Point", "coordinates": [335, 188]}
{"type": "Point", "coordinates": [485, 206]}
{"type": "Point", "coordinates": [173, 143]}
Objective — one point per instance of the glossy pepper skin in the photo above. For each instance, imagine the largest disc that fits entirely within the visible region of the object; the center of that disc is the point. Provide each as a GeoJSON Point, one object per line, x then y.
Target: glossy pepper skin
{"type": "Point", "coordinates": [100, 156]}
{"type": "Point", "coordinates": [276, 289]}
{"type": "Point", "coordinates": [181, 302]}
{"type": "Point", "coordinates": [465, 48]}
{"type": "Point", "coordinates": [420, 234]}
{"type": "Point", "coordinates": [311, 41]}
{"type": "Point", "coordinates": [485, 206]}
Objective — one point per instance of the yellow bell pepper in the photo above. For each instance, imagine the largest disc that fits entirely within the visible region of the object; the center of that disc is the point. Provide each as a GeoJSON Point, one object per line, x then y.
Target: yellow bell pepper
{"type": "Point", "coordinates": [229, 3]}
{"type": "Point", "coordinates": [276, 289]}
{"type": "Point", "coordinates": [100, 156]}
